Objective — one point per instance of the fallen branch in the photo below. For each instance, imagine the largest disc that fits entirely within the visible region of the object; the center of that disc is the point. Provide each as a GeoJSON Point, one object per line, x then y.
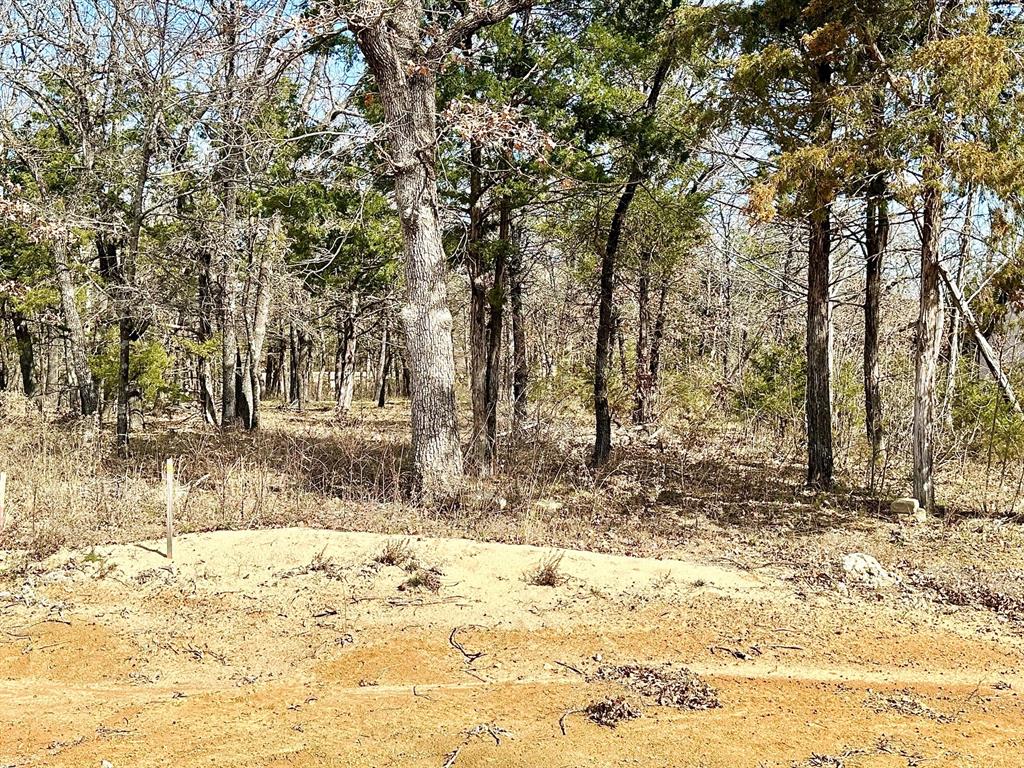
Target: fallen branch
{"type": "Point", "coordinates": [469, 657]}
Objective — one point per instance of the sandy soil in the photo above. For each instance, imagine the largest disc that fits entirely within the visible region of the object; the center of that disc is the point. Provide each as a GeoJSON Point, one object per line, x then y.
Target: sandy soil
{"type": "Point", "coordinates": [296, 648]}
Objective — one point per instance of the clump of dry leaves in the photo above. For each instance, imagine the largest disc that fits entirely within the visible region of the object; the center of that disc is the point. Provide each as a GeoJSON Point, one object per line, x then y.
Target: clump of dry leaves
{"type": "Point", "coordinates": [666, 686]}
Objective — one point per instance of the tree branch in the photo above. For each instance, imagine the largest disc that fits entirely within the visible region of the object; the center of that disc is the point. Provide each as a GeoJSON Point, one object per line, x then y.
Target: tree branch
{"type": "Point", "coordinates": [468, 25]}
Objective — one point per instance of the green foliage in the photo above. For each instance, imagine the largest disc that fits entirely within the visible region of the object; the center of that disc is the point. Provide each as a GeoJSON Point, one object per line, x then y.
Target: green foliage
{"type": "Point", "coordinates": [149, 369]}
{"type": "Point", "coordinates": [774, 382]}
{"type": "Point", "coordinates": [981, 413]}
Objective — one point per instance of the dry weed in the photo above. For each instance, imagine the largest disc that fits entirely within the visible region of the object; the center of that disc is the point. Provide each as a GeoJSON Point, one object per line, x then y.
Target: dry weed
{"type": "Point", "coordinates": [396, 552]}
{"type": "Point", "coordinates": [548, 572]}
{"type": "Point", "coordinates": [666, 686]}
{"type": "Point", "coordinates": [611, 711]}
{"type": "Point", "coordinates": [423, 578]}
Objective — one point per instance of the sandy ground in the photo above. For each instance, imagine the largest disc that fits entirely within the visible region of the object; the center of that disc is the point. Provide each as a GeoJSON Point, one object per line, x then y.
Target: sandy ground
{"type": "Point", "coordinates": [296, 648]}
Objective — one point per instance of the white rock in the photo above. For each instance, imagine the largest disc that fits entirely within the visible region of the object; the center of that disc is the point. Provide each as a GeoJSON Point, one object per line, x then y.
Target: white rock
{"type": "Point", "coordinates": [866, 570]}
{"type": "Point", "coordinates": [905, 507]}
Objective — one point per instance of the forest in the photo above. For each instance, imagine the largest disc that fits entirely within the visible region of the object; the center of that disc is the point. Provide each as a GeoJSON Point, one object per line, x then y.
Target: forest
{"type": "Point", "coordinates": [709, 309]}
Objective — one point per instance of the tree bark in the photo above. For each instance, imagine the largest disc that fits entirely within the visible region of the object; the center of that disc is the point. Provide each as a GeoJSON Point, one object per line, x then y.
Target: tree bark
{"type": "Point", "coordinates": [204, 333]}
{"type": "Point", "coordinates": [606, 307]}
{"type": "Point", "coordinates": [477, 312]}
{"type": "Point", "coordinates": [876, 239]}
{"type": "Point", "coordinates": [820, 465]}
{"type": "Point", "coordinates": [929, 338]}
{"type": "Point", "coordinates": [494, 330]}
{"type": "Point", "coordinates": [26, 352]}
{"type": "Point", "coordinates": [382, 368]}
{"type": "Point", "coordinates": [347, 347]}
{"type": "Point", "coordinates": [77, 356]}
{"type": "Point", "coordinates": [642, 382]}
{"type": "Point", "coordinates": [955, 321]}
{"type": "Point", "coordinates": [520, 367]}
{"type": "Point", "coordinates": [256, 334]}
{"type": "Point", "coordinates": [408, 96]}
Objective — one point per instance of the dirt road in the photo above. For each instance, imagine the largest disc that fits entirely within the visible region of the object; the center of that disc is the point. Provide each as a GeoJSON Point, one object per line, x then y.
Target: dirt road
{"type": "Point", "coordinates": [297, 648]}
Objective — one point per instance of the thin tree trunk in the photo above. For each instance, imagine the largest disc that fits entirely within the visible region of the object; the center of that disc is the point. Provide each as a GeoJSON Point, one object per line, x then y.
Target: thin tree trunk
{"type": "Point", "coordinates": [606, 307]}
{"type": "Point", "coordinates": [494, 329]}
{"type": "Point", "coordinates": [819, 317]}
{"type": "Point", "coordinates": [256, 332]}
{"type": "Point", "coordinates": [382, 368]}
{"type": "Point", "coordinates": [78, 358]}
{"type": "Point", "coordinates": [877, 238]}
{"type": "Point", "coordinates": [520, 368]}
{"type": "Point", "coordinates": [275, 368]}
{"type": "Point", "coordinates": [346, 381]}
{"type": "Point", "coordinates": [477, 311]}
{"type": "Point", "coordinates": [985, 350]}
{"type": "Point", "coordinates": [26, 352]}
{"type": "Point", "coordinates": [642, 383]}
{"type": "Point", "coordinates": [296, 384]}
{"type": "Point", "coordinates": [955, 322]}
{"type": "Point", "coordinates": [204, 333]}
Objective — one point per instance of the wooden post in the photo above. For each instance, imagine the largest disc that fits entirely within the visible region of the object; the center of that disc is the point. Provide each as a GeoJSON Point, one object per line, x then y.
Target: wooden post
{"type": "Point", "coordinates": [169, 476]}
{"type": "Point", "coordinates": [3, 508]}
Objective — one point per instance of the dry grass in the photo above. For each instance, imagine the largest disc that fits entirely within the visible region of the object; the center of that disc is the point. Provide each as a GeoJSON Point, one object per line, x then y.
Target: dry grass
{"type": "Point", "coordinates": [710, 490]}
{"type": "Point", "coordinates": [548, 572]}
{"type": "Point", "coordinates": [396, 552]}
{"type": "Point", "coordinates": [423, 578]}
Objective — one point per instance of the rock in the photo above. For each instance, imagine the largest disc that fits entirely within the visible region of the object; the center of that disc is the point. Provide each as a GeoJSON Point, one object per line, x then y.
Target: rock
{"type": "Point", "coordinates": [909, 508]}
{"type": "Point", "coordinates": [867, 571]}
{"type": "Point", "coordinates": [905, 507]}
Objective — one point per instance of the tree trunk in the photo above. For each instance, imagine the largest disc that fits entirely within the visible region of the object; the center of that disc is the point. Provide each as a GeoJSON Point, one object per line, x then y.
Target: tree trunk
{"type": "Point", "coordinates": [229, 338]}
{"type": "Point", "coordinates": [382, 368]}
{"type": "Point", "coordinates": [955, 321]}
{"type": "Point", "coordinates": [819, 353]}
{"type": "Point", "coordinates": [985, 350]}
{"type": "Point", "coordinates": [275, 368]}
{"type": "Point", "coordinates": [520, 367]}
{"type": "Point", "coordinates": [296, 386]}
{"type": "Point", "coordinates": [819, 313]}
{"type": "Point", "coordinates": [408, 96]}
{"type": "Point", "coordinates": [204, 333]}
{"type": "Point", "coordinates": [929, 339]}
{"type": "Point", "coordinates": [26, 352]}
{"type": "Point", "coordinates": [256, 334]}
{"type": "Point", "coordinates": [876, 239]}
{"type": "Point", "coordinates": [642, 383]}
{"type": "Point", "coordinates": [606, 307]}
{"type": "Point", "coordinates": [478, 339]}
{"type": "Point", "coordinates": [124, 412]}
{"type": "Point", "coordinates": [347, 346]}
{"type": "Point", "coordinates": [494, 330]}
{"type": "Point", "coordinates": [114, 269]}
{"type": "Point", "coordinates": [77, 356]}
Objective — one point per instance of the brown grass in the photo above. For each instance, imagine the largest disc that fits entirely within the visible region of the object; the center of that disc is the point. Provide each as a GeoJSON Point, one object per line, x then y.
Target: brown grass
{"type": "Point", "coordinates": [715, 490]}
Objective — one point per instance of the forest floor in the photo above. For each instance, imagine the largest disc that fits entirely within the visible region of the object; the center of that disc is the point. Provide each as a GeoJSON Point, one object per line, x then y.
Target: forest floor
{"type": "Point", "coordinates": [277, 637]}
